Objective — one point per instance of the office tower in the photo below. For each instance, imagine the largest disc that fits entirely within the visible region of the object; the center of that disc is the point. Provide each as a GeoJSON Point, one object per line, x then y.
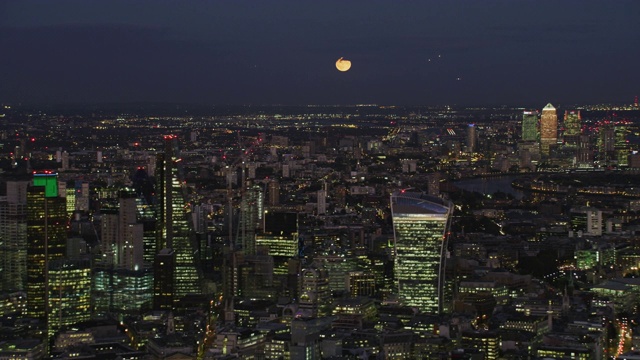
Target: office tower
{"type": "Point", "coordinates": [548, 129]}
{"type": "Point", "coordinates": [606, 143]}
{"type": "Point", "coordinates": [255, 275]}
{"type": "Point", "coordinates": [198, 217]}
{"type": "Point", "coordinates": [69, 294]}
{"type": "Point", "coordinates": [584, 153]}
{"type": "Point", "coordinates": [421, 224]}
{"type": "Point", "coordinates": [409, 165]}
{"type": "Point", "coordinates": [164, 280]}
{"type": "Point", "coordinates": [486, 342]}
{"type": "Point", "coordinates": [46, 238]}
{"type": "Point", "coordinates": [433, 184]}
{"type": "Point", "coordinates": [13, 237]}
{"type": "Point", "coordinates": [130, 245]}
{"type": "Point", "coordinates": [586, 220]}
{"type": "Point", "coordinates": [306, 336]}
{"type": "Point", "coordinates": [121, 235]}
{"type": "Point", "coordinates": [286, 171]}
{"type": "Point", "coordinates": [146, 217]}
{"type": "Point", "coordinates": [572, 125]}
{"type": "Point", "coordinates": [172, 224]}
{"type": "Point", "coordinates": [338, 263]}
{"type": "Point", "coordinates": [621, 146]}
{"type": "Point", "coordinates": [108, 235]}
{"type": "Point", "coordinates": [529, 126]}
{"type": "Point", "coordinates": [65, 161]}
{"type": "Point", "coordinates": [82, 196]}
{"type": "Point", "coordinates": [322, 201]}
{"type": "Point", "coordinates": [251, 218]}
{"type": "Point", "coordinates": [315, 295]}
{"type": "Point", "coordinates": [122, 278]}
{"type": "Point", "coordinates": [360, 283]}
{"type": "Point", "coordinates": [251, 170]}
{"type": "Point", "coordinates": [280, 237]}
{"type": "Point", "coordinates": [273, 190]}
{"type": "Point", "coordinates": [472, 138]}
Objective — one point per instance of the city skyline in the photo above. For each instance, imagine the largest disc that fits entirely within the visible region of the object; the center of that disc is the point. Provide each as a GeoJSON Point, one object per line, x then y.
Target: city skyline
{"type": "Point", "coordinates": [308, 233]}
{"type": "Point", "coordinates": [426, 53]}
{"type": "Point", "coordinates": [300, 180]}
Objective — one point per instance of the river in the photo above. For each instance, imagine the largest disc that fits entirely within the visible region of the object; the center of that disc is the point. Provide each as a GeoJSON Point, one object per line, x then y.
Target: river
{"type": "Point", "coordinates": [489, 185]}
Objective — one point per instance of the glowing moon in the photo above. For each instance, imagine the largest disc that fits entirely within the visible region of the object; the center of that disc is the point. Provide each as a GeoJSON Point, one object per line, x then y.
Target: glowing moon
{"type": "Point", "coordinates": [343, 65]}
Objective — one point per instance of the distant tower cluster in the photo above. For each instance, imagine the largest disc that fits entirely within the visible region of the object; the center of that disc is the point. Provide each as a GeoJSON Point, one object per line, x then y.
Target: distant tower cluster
{"type": "Point", "coordinates": [548, 129]}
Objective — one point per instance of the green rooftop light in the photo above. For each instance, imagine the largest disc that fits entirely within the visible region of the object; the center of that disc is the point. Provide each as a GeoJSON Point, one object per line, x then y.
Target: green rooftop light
{"type": "Point", "coordinates": [50, 182]}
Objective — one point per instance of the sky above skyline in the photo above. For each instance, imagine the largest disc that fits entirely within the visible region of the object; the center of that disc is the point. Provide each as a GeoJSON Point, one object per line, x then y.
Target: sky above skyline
{"type": "Point", "coordinates": [284, 52]}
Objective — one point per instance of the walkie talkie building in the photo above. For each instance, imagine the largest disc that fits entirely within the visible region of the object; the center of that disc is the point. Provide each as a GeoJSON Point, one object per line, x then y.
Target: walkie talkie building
{"type": "Point", "coordinates": [420, 224]}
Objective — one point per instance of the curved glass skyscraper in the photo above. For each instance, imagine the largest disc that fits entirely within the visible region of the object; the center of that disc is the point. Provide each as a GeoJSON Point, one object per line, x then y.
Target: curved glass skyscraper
{"type": "Point", "coordinates": [420, 225]}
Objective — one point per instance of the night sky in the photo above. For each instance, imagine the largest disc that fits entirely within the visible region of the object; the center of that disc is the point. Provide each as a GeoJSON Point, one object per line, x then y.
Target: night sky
{"type": "Point", "coordinates": [283, 52]}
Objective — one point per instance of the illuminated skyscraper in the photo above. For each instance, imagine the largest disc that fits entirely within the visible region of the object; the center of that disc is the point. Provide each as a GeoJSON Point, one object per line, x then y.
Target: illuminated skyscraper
{"type": "Point", "coordinates": [46, 238]}
{"type": "Point", "coordinates": [530, 126]}
{"type": "Point", "coordinates": [69, 293]}
{"type": "Point", "coordinates": [13, 237]}
{"type": "Point", "coordinates": [621, 145]}
{"type": "Point", "coordinates": [420, 224]}
{"type": "Point", "coordinates": [548, 129]}
{"type": "Point", "coordinates": [122, 279]}
{"type": "Point", "coordinates": [571, 127]}
{"type": "Point", "coordinates": [472, 138]}
{"type": "Point", "coordinates": [280, 236]}
{"type": "Point", "coordinates": [251, 218]}
{"type": "Point", "coordinates": [173, 229]}
{"type": "Point", "coordinates": [584, 153]}
{"type": "Point", "coordinates": [315, 294]}
{"type": "Point", "coordinates": [606, 143]}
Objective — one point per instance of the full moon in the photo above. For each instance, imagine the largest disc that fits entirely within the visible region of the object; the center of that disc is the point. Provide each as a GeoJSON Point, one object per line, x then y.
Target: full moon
{"type": "Point", "coordinates": [343, 65]}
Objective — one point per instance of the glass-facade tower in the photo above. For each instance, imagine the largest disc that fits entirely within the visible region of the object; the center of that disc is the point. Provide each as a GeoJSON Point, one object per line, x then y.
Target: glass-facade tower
{"type": "Point", "coordinates": [172, 226]}
{"type": "Point", "coordinates": [420, 225]}
{"type": "Point", "coordinates": [69, 293]}
{"type": "Point", "coordinates": [13, 237]}
{"type": "Point", "coordinates": [529, 126]}
{"type": "Point", "coordinates": [548, 129]}
{"type": "Point", "coordinates": [46, 239]}
{"type": "Point", "coordinates": [571, 125]}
